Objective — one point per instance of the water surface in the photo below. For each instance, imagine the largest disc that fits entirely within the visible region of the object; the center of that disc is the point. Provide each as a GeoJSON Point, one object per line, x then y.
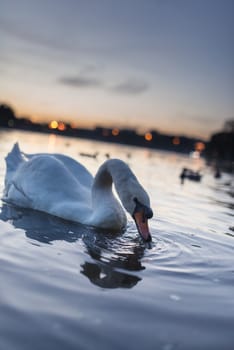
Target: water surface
{"type": "Point", "coordinates": [67, 286]}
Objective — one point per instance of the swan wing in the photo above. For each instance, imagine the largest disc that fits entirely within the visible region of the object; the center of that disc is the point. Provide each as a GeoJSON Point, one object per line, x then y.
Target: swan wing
{"type": "Point", "coordinates": [75, 168]}
{"type": "Point", "coordinates": [45, 183]}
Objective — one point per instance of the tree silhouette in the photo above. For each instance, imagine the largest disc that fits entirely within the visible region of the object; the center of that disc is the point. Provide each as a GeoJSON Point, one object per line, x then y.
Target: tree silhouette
{"type": "Point", "coordinates": [220, 148]}
{"type": "Point", "coordinates": [229, 126]}
{"type": "Point", "coordinates": [7, 116]}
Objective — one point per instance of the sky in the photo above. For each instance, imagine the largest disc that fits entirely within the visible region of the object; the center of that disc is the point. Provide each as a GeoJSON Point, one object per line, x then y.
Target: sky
{"type": "Point", "coordinates": [166, 65]}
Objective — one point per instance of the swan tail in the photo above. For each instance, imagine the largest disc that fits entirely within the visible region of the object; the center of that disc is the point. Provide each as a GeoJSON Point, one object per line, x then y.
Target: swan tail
{"type": "Point", "coordinates": [13, 160]}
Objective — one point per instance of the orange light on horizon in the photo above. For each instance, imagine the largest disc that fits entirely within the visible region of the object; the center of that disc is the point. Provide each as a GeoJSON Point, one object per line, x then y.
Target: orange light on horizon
{"type": "Point", "coordinates": [115, 132]}
{"type": "Point", "coordinates": [61, 126]}
{"type": "Point", "coordinates": [200, 146]}
{"type": "Point", "coordinates": [53, 124]}
{"type": "Point", "coordinates": [148, 136]}
{"type": "Point", "coordinates": [176, 141]}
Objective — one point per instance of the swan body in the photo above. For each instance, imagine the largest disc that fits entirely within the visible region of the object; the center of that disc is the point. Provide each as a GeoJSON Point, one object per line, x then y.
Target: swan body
{"type": "Point", "coordinates": [59, 185]}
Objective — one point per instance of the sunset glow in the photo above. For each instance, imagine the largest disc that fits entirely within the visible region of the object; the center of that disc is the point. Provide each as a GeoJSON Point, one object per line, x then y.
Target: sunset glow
{"type": "Point", "coordinates": [92, 65]}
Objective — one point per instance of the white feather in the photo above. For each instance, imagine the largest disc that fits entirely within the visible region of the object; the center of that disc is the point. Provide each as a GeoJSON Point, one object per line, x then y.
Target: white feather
{"type": "Point", "coordinates": [59, 185]}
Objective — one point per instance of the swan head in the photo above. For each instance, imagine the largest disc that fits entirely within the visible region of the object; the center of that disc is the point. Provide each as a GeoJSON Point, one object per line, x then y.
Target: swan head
{"type": "Point", "coordinates": [136, 201]}
{"type": "Point", "coordinates": [141, 215]}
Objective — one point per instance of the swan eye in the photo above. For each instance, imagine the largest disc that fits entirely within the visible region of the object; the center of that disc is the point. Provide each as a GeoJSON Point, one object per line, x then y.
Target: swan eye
{"type": "Point", "coordinates": [147, 212]}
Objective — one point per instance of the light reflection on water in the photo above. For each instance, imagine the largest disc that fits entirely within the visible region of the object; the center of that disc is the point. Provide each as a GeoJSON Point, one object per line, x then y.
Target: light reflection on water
{"type": "Point", "coordinates": [67, 286]}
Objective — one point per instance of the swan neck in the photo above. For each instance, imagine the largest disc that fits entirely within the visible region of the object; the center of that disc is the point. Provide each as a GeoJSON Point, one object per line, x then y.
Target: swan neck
{"type": "Point", "coordinates": [113, 171]}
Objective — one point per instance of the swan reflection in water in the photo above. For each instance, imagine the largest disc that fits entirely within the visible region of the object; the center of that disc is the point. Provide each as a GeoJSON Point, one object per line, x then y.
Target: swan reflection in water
{"type": "Point", "coordinates": [109, 252]}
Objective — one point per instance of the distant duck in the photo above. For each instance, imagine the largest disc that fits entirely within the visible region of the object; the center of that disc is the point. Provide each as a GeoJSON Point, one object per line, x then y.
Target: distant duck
{"type": "Point", "coordinates": [190, 175]}
{"type": "Point", "coordinates": [129, 155]}
{"type": "Point", "coordinates": [59, 185]}
{"type": "Point", "coordinates": [89, 155]}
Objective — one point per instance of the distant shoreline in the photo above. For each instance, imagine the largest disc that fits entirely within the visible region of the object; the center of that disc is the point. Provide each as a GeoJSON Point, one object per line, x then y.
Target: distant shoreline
{"type": "Point", "coordinates": [218, 151]}
{"type": "Point", "coordinates": [127, 137]}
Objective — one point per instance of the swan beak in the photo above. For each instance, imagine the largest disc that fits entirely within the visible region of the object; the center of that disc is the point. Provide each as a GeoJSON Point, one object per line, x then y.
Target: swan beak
{"type": "Point", "coordinates": [142, 225]}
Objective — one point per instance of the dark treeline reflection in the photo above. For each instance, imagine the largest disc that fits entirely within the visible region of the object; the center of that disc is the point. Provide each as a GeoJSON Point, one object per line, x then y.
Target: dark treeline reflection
{"type": "Point", "coordinates": [107, 253]}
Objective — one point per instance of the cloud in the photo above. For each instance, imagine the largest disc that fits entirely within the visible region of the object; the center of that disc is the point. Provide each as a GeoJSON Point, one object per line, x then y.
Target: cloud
{"type": "Point", "coordinates": [126, 87]}
{"type": "Point", "coordinates": [32, 36]}
{"type": "Point", "coordinates": [80, 81]}
{"type": "Point", "coordinates": [130, 87]}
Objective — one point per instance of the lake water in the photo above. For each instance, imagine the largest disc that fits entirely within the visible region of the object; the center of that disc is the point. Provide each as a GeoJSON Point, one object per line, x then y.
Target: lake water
{"type": "Point", "coordinates": [66, 286]}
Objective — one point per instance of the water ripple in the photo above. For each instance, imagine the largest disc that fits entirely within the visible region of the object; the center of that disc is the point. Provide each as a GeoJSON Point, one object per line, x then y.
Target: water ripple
{"type": "Point", "coordinates": [64, 285]}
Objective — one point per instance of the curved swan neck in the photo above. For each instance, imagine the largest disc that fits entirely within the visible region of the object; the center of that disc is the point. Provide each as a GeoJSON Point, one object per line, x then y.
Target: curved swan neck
{"type": "Point", "coordinates": [113, 171]}
{"type": "Point", "coordinates": [117, 172]}
{"type": "Point", "coordinates": [127, 186]}
{"type": "Point", "coordinates": [107, 210]}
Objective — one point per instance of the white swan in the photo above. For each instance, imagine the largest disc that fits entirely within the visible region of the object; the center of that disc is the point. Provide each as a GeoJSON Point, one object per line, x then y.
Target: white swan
{"type": "Point", "coordinates": [59, 185]}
